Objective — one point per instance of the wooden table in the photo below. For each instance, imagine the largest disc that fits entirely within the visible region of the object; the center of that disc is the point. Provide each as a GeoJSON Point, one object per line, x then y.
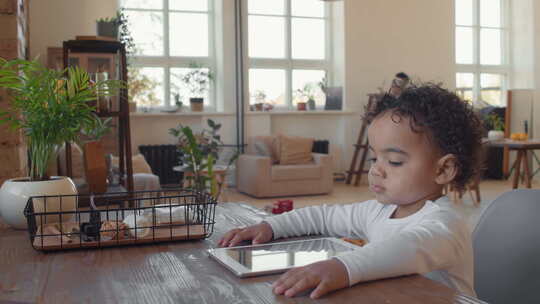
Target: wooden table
{"type": "Point", "coordinates": [522, 161]}
{"type": "Point", "coordinates": [174, 272]}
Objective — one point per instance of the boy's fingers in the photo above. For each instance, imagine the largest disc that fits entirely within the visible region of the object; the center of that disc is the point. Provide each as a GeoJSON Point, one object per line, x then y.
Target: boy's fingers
{"type": "Point", "coordinates": [238, 237]}
{"type": "Point", "coordinates": [227, 237]}
{"type": "Point", "coordinates": [299, 286]}
{"type": "Point", "coordinates": [287, 280]}
{"type": "Point", "coordinates": [322, 289]}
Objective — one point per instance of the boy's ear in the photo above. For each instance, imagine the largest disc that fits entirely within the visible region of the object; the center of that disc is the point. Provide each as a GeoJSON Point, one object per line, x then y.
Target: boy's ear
{"type": "Point", "coordinates": [447, 169]}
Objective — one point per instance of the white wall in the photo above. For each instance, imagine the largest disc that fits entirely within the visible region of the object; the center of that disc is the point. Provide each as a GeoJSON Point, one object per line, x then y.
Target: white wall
{"type": "Point", "coordinates": [386, 36]}
{"type": "Point", "coordinates": [53, 21]}
{"type": "Point", "coordinates": [375, 39]}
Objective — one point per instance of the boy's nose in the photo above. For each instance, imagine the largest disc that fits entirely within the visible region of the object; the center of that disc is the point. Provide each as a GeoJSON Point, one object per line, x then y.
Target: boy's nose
{"type": "Point", "coordinates": [376, 170]}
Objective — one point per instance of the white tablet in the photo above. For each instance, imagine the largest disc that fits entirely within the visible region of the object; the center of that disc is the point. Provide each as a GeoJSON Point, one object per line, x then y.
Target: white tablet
{"type": "Point", "coordinates": [254, 260]}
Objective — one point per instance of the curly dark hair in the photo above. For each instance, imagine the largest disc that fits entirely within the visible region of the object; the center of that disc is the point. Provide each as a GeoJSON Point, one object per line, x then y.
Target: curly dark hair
{"type": "Point", "coordinates": [448, 120]}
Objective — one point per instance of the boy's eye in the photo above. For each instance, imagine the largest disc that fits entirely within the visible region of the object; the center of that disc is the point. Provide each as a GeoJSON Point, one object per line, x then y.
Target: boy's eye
{"type": "Point", "coordinates": [372, 159]}
{"type": "Point", "coordinates": [395, 164]}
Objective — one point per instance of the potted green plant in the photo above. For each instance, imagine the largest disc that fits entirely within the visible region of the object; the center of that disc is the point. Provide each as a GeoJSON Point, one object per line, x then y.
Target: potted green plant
{"type": "Point", "coordinates": [199, 155]}
{"type": "Point", "coordinates": [496, 123]}
{"type": "Point", "coordinates": [306, 97]}
{"type": "Point", "coordinates": [51, 107]}
{"type": "Point", "coordinates": [178, 101]}
{"type": "Point", "coordinates": [197, 80]}
{"type": "Point", "coordinates": [260, 98]}
{"type": "Point", "coordinates": [95, 167]}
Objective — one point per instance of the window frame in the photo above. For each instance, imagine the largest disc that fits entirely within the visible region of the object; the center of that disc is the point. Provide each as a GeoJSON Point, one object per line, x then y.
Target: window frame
{"type": "Point", "coordinates": [167, 62]}
{"type": "Point", "coordinates": [288, 64]}
{"type": "Point", "coordinates": [476, 68]}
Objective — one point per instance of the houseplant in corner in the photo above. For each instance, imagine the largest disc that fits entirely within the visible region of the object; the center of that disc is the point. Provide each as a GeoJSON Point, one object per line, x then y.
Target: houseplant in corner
{"type": "Point", "coordinates": [200, 154]}
{"type": "Point", "coordinates": [51, 107]}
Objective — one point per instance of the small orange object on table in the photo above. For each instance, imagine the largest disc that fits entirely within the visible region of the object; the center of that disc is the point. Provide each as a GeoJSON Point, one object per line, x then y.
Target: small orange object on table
{"type": "Point", "coordinates": [358, 242]}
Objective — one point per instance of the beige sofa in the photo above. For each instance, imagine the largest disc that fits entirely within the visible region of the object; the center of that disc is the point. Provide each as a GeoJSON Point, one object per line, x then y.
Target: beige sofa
{"type": "Point", "coordinates": [259, 176]}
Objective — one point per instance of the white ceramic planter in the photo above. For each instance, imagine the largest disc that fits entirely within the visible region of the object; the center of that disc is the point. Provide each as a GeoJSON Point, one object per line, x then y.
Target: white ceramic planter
{"type": "Point", "coordinates": [15, 193]}
{"type": "Point", "coordinates": [495, 135]}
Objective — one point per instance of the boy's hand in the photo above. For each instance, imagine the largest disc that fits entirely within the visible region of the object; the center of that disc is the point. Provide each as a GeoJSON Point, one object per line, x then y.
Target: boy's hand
{"type": "Point", "coordinates": [324, 276]}
{"type": "Point", "coordinates": [260, 233]}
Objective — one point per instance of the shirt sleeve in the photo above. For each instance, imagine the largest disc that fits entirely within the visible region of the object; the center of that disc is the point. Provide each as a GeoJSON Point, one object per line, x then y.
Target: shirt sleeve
{"type": "Point", "coordinates": [431, 245]}
{"type": "Point", "coordinates": [332, 220]}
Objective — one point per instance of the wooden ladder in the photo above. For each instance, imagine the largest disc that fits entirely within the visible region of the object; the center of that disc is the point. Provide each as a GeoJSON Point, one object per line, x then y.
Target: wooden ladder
{"type": "Point", "coordinates": [363, 146]}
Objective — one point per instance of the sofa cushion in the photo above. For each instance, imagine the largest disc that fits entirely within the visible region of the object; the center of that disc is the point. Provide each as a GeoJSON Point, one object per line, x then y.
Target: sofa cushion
{"type": "Point", "coordinates": [295, 150]}
{"type": "Point", "coordinates": [265, 146]}
{"type": "Point", "coordinates": [296, 172]}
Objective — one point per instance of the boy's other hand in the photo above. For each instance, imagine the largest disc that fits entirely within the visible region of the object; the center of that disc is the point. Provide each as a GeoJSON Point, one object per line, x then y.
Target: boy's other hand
{"type": "Point", "coordinates": [260, 233]}
{"type": "Point", "coordinates": [324, 276]}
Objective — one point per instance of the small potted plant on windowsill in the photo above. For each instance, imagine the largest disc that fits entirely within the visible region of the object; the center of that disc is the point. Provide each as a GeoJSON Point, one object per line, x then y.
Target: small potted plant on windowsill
{"type": "Point", "coordinates": [197, 81]}
{"type": "Point", "coordinates": [306, 97]}
{"type": "Point", "coordinates": [260, 98]}
{"type": "Point", "coordinates": [497, 127]}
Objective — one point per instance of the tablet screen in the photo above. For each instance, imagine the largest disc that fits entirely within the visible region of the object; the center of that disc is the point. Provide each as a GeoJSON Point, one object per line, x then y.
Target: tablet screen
{"type": "Point", "coordinates": [281, 256]}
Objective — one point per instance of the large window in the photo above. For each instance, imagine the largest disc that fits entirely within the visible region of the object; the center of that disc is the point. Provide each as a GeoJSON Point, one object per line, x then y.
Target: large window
{"type": "Point", "coordinates": [172, 38]}
{"type": "Point", "coordinates": [481, 43]}
{"type": "Point", "coordinates": [288, 51]}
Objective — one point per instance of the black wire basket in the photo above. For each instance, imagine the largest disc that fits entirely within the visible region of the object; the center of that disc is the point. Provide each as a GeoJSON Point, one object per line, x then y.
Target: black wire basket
{"type": "Point", "coordinates": [61, 222]}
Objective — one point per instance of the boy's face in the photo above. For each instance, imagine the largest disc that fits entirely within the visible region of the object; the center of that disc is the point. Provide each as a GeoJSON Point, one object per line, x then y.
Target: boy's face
{"type": "Point", "coordinates": [404, 163]}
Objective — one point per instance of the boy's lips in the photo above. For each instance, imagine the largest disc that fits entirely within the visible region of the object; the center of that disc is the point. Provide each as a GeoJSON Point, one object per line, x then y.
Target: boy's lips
{"type": "Point", "coordinates": [376, 188]}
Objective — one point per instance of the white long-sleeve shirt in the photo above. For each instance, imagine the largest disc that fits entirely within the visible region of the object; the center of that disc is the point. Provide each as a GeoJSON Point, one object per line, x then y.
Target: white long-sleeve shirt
{"type": "Point", "coordinates": [435, 241]}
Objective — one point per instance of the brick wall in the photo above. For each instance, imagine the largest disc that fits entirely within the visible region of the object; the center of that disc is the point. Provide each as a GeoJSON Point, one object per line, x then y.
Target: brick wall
{"type": "Point", "coordinates": [13, 44]}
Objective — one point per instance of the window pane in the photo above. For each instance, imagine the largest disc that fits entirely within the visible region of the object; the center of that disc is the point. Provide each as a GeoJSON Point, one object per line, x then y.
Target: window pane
{"type": "Point", "coordinates": [307, 8]}
{"type": "Point", "coordinates": [188, 34]}
{"type": "Point", "coordinates": [490, 13]}
{"type": "Point", "coordinates": [464, 45]}
{"type": "Point", "coordinates": [198, 88]}
{"type": "Point", "coordinates": [271, 83]}
{"type": "Point", "coordinates": [147, 32]}
{"type": "Point", "coordinates": [149, 4]}
{"type": "Point", "coordinates": [490, 80]}
{"type": "Point", "coordinates": [269, 7]}
{"type": "Point", "coordinates": [491, 89]}
{"type": "Point", "coordinates": [464, 80]}
{"type": "Point", "coordinates": [490, 46]}
{"type": "Point", "coordinates": [464, 85]}
{"type": "Point", "coordinates": [146, 86]}
{"type": "Point", "coordinates": [266, 37]}
{"type": "Point", "coordinates": [305, 84]}
{"type": "Point", "coordinates": [464, 12]}
{"type": "Point", "coordinates": [308, 37]}
{"type": "Point", "coordinates": [189, 5]}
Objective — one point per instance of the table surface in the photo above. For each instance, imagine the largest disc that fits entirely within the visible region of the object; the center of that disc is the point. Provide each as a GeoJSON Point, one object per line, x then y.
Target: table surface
{"type": "Point", "coordinates": [515, 144]}
{"type": "Point", "coordinates": [173, 272]}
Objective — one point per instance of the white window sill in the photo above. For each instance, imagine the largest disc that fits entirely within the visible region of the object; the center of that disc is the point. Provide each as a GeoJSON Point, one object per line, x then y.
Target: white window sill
{"type": "Point", "coordinates": [187, 113]}
{"type": "Point", "coordinates": [313, 112]}
{"type": "Point", "coordinates": [247, 113]}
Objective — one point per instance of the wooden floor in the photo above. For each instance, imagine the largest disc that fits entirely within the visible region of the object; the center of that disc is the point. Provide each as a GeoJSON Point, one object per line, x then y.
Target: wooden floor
{"type": "Point", "coordinates": [343, 194]}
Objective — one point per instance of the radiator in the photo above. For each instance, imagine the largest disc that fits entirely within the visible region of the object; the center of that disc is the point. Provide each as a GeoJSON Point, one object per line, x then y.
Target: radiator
{"type": "Point", "coordinates": [162, 159]}
{"type": "Point", "coordinates": [320, 146]}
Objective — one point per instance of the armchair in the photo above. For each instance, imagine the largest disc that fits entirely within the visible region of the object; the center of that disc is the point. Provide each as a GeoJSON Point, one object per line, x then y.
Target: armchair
{"type": "Point", "coordinates": [259, 176]}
